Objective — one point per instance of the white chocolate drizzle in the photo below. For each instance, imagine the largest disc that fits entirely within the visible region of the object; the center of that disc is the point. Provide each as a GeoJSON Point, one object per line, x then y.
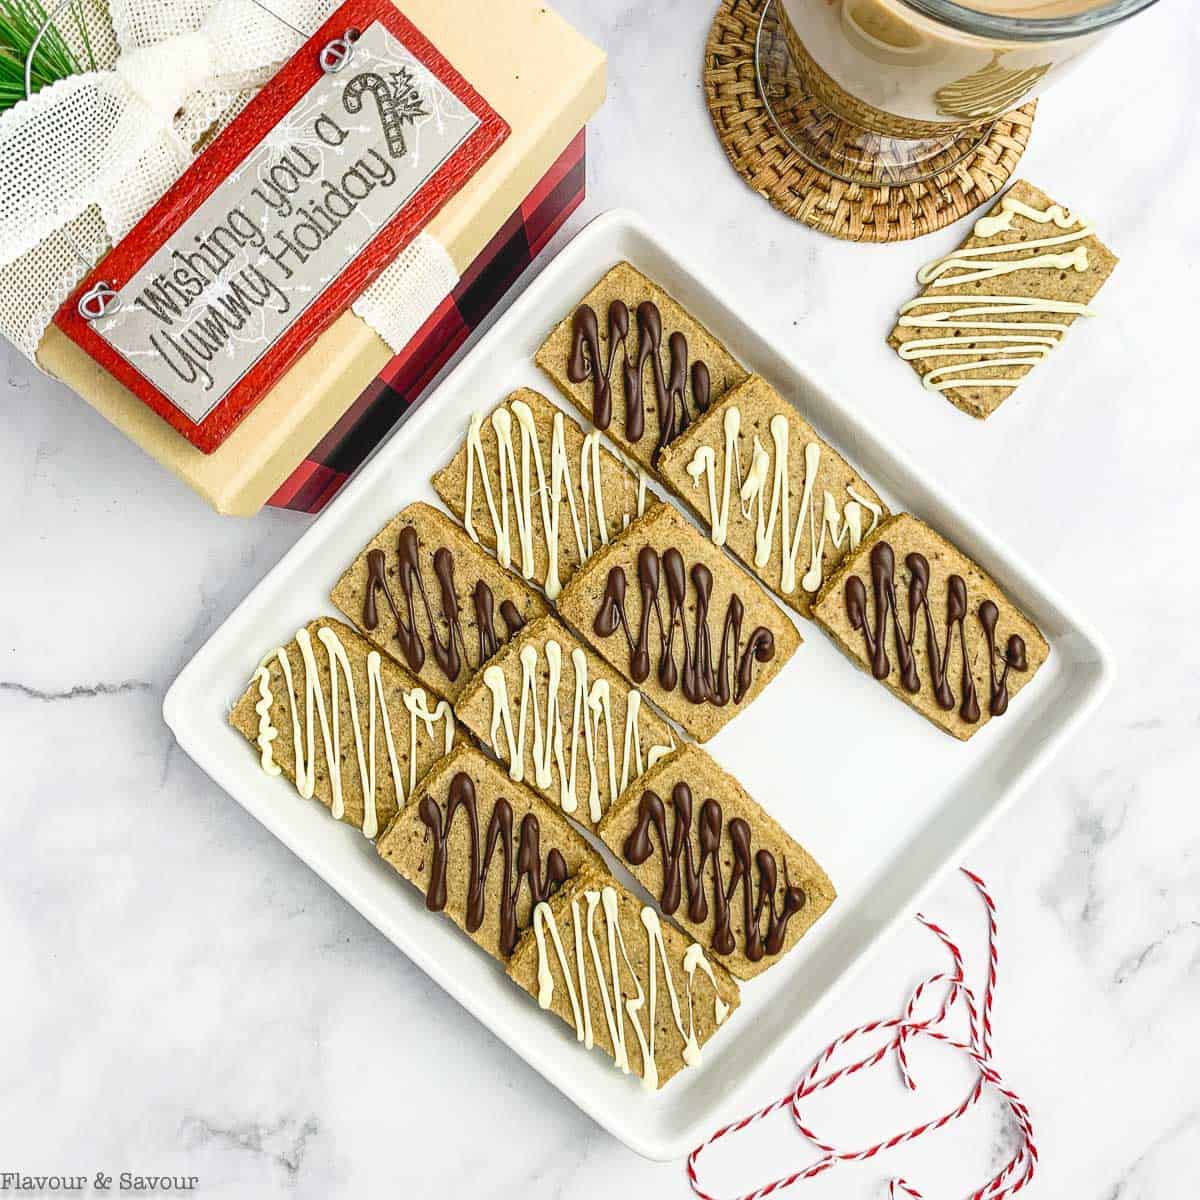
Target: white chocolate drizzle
{"type": "Point", "coordinates": [592, 485]}
{"type": "Point", "coordinates": [267, 733]}
{"type": "Point", "coordinates": [517, 483]}
{"type": "Point", "coordinates": [329, 718]}
{"type": "Point", "coordinates": [641, 499]}
{"type": "Point", "coordinates": [421, 715]}
{"type": "Point", "coordinates": [591, 709]}
{"type": "Point", "coordinates": [841, 525]}
{"type": "Point", "coordinates": [1004, 343]}
{"type": "Point", "coordinates": [609, 982]}
{"type": "Point", "coordinates": [693, 960]}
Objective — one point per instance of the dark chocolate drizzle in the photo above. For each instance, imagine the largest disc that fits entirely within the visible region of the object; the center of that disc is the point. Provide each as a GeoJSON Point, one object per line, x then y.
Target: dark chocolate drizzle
{"type": "Point", "coordinates": [699, 681]}
{"type": "Point", "coordinates": [450, 652]}
{"type": "Point", "coordinates": [528, 862]}
{"type": "Point", "coordinates": [883, 587]}
{"type": "Point", "coordinates": [684, 870]}
{"type": "Point", "coordinates": [670, 389]}
{"type": "Point", "coordinates": [1014, 657]}
{"type": "Point", "coordinates": [939, 660]}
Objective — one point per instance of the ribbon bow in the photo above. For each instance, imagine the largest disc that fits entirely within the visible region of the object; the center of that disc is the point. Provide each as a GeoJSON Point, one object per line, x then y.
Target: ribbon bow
{"type": "Point", "coordinates": [117, 137]}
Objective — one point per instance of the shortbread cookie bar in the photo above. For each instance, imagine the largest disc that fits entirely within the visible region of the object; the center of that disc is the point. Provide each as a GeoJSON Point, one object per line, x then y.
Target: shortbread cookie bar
{"type": "Point", "coordinates": [998, 305]}
{"type": "Point", "coordinates": [344, 723]}
{"type": "Point", "coordinates": [425, 593]}
{"type": "Point", "coordinates": [623, 979]}
{"type": "Point", "coordinates": [770, 489]}
{"type": "Point", "coordinates": [636, 364]}
{"type": "Point", "coordinates": [716, 862]}
{"type": "Point", "coordinates": [483, 849]}
{"type": "Point", "coordinates": [531, 485]}
{"type": "Point", "coordinates": [681, 621]}
{"type": "Point", "coordinates": [936, 629]}
{"type": "Point", "coordinates": [563, 720]}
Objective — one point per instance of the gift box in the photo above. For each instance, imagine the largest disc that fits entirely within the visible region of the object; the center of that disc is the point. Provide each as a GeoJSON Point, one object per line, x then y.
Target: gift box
{"type": "Point", "coordinates": [321, 418]}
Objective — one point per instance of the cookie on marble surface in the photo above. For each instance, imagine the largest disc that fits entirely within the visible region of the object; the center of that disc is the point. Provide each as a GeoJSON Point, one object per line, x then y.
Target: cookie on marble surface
{"type": "Point", "coordinates": [718, 864]}
{"type": "Point", "coordinates": [636, 363]}
{"type": "Point", "coordinates": [563, 721]}
{"type": "Point", "coordinates": [932, 625]}
{"type": "Point", "coordinates": [335, 716]}
{"type": "Point", "coordinates": [667, 999]}
{"type": "Point", "coordinates": [769, 488]}
{"type": "Point", "coordinates": [998, 305]}
{"type": "Point", "coordinates": [423, 592]}
{"type": "Point", "coordinates": [681, 621]}
{"type": "Point", "coordinates": [483, 849]}
{"type": "Point", "coordinates": [544, 496]}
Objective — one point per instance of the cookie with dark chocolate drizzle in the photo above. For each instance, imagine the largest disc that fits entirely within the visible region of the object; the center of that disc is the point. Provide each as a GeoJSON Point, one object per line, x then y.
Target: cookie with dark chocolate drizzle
{"type": "Point", "coordinates": [483, 849]}
{"type": "Point", "coordinates": [522, 864]}
{"type": "Point", "coordinates": [695, 675]}
{"type": "Point", "coordinates": [450, 653]}
{"type": "Point", "coordinates": [587, 361]}
{"type": "Point", "coordinates": [925, 620]}
{"type": "Point", "coordinates": [716, 862]}
{"type": "Point", "coordinates": [680, 621]}
{"type": "Point", "coordinates": [637, 364]}
{"type": "Point", "coordinates": [425, 593]}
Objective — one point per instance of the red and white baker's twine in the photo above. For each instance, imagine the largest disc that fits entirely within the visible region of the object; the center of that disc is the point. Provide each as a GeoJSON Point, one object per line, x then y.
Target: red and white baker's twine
{"type": "Point", "coordinates": [1008, 1181]}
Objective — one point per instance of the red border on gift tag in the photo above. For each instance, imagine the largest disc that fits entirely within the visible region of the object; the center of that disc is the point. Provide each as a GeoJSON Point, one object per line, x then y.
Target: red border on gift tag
{"type": "Point", "coordinates": [213, 166]}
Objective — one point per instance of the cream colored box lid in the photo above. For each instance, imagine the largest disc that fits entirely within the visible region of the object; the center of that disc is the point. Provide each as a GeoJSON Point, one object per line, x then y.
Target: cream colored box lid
{"type": "Point", "coordinates": [545, 80]}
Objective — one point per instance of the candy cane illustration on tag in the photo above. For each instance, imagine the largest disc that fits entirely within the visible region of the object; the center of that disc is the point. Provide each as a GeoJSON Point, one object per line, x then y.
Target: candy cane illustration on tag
{"type": "Point", "coordinates": [399, 104]}
{"type": "Point", "coordinates": [1009, 1180]}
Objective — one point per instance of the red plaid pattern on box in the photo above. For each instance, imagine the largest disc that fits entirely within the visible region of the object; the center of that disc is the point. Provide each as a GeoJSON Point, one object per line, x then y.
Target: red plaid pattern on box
{"type": "Point", "coordinates": [398, 387]}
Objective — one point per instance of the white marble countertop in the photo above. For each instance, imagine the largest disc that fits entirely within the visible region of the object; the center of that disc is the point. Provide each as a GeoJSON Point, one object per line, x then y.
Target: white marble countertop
{"type": "Point", "coordinates": [180, 995]}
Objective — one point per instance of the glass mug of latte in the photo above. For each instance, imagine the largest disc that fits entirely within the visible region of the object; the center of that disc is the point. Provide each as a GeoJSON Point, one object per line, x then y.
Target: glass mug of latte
{"type": "Point", "coordinates": [893, 91]}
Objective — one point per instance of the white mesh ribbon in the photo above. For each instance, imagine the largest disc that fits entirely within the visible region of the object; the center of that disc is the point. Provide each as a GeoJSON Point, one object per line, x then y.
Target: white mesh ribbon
{"type": "Point", "coordinates": [112, 140]}
{"type": "Point", "coordinates": [398, 303]}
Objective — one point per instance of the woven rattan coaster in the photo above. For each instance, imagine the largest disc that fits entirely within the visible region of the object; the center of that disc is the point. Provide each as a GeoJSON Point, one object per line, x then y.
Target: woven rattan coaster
{"type": "Point", "coordinates": [857, 212]}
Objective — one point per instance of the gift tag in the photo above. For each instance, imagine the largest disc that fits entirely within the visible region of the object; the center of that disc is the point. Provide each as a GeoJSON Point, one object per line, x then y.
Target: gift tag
{"type": "Point", "coordinates": [276, 227]}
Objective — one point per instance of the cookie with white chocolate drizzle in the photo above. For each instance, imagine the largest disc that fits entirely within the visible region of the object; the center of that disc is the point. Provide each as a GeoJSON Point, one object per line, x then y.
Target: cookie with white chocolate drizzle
{"type": "Point", "coordinates": [716, 862]}
{"type": "Point", "coordinates": [529, 484]}
{"type": "Point", "coordinates": [1003, 301]}
{"type": "Point", "coordinates": [483, 849]}
{"type": "Point", "coordinates": [681, 621]}
{"type": "Point", "coordinates": [769, 488]}
{"type": "Point", "coordinates": [347, 725]}
{"type": "Point", "coordinates": [625, 980]}
{"type": "Point", "coordinates": [563, 721]}
{"type": "Point", "coordinates": [427, 595]}
{"type": "Point", "coordinates": [637, 364]}
{"type": "Point", "coordinates": [931, 625]}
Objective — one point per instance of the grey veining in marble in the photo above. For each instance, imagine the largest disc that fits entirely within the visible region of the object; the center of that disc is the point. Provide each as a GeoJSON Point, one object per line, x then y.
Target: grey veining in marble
{"type": "Point", "coordinates": [179, 995]}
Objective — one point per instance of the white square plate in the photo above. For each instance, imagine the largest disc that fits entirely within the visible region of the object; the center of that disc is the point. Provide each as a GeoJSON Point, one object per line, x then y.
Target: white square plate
{"type": "Point", "coordinates": [884, 835]}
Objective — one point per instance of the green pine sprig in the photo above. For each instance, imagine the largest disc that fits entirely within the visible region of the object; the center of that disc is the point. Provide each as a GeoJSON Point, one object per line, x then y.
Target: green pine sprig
{"type": "Point", "coordinates": [20, 21]}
